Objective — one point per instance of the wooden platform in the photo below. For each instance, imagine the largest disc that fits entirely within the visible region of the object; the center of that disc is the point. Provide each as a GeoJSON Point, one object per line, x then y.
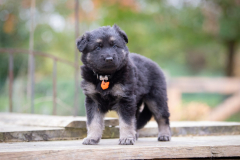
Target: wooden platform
{"type": "Point", "coordinates": [16, 127]}
{"type": "Point", "coordinates": [49, 120]}
{"type": "Point", "coordinates": [19, 133]}
{"type": "Point", "coordinates": [25, 127]}
{"type": "Point", "coordinates": [145, 148]}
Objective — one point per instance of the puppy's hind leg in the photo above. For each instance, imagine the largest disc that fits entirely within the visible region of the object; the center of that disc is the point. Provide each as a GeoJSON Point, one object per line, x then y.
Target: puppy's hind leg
{"type": "Point", "coordinates": [164, 132]}
{"type": "Point", "coordinates": [95, 123]}
{"type": "Point", "coordinates": [158, 106]}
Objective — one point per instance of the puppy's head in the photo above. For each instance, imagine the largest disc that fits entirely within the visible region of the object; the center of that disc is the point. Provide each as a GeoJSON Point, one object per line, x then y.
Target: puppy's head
{"type": "Point", "coordinates": [104, 49]}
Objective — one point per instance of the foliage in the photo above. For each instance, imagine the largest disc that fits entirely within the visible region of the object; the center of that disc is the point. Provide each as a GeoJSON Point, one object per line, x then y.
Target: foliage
{"type": "Point", "coordinates": [176, 37]}
{"type": "Point", "coordinates": [186, 38]}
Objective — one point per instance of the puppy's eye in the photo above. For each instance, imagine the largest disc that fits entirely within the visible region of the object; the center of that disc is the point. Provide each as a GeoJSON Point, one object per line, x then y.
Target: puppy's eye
{"type": "Point", "coordinates": [98, 48]}
{"type": "Point", "coordinates": [115, 46]}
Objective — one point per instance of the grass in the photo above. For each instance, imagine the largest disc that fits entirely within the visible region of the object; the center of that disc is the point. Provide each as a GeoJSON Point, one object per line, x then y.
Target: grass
{"type": "Point", "coordinates": [211, 99]}
{"type": "Point", "coordinates": [235, 117]}
{"type": "Point", "coordinates": [43, 103]}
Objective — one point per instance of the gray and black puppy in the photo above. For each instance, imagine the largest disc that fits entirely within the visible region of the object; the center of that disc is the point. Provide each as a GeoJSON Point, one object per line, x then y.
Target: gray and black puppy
{"type": "Point", "coordinates": [115, 79]}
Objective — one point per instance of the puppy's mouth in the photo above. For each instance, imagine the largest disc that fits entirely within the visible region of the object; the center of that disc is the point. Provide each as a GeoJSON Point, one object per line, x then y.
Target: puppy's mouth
{"type": "Point", "coordinates": [107, 69]}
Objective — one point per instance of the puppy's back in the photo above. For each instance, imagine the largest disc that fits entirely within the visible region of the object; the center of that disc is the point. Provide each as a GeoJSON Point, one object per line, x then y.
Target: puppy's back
{"type": "Point", "coordinates": [146, 66]}
{"type": "Point", "coordinates": [149, 75]}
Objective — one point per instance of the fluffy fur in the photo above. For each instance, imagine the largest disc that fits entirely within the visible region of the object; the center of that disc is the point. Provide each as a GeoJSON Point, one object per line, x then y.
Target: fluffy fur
{"type": "Point", "coordinates": [134, 80]}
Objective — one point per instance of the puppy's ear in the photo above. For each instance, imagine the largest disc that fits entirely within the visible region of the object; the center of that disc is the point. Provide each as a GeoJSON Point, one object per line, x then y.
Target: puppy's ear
{"type": "Point", "coordinates": [121, 32]}
{"type": "Point", "coordinates": [82, 42]}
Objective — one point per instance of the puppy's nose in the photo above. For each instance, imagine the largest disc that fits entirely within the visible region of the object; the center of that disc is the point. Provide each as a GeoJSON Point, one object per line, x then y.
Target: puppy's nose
{"type": "Point", "coordinates": [109, 59]}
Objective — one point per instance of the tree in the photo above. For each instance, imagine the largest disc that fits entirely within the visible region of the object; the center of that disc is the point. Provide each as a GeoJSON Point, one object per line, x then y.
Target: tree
{"type": "Point", "coordinates": [226, 15]}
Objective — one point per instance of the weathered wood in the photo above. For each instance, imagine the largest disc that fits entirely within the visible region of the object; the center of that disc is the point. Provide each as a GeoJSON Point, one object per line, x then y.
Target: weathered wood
{"type": "Point", "coordinates": [16, 133]}
{"type": "Point", "coordinates": [209, 85]}
{"type": "Point", "coordinates": [144, 148]}
{"type": "Point", "coordinates": [76, 74]}
{"type": "Point", "coordinates": [10, 76]}
{"type": "Point", "coordinates": [31, 60]}
{"type": "Point", "coordinates": [176, 97]}
{"type": "Point", "coordinates": [54, 78]}
{"type": "Point", "coordinates": [43, 135]}
{"type": "Point", "coordinates": [226, 109]}
{"type": "Point", "coordinates": [13, 133]}
{"type": "Point", "coordinates": [50, 121]}
{"type": "Point", "coordinates": [193, 128]}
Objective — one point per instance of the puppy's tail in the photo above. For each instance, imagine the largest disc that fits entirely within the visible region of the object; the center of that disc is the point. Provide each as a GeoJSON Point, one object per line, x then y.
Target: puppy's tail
{"type": "Point", "coordinates": [144, 117]}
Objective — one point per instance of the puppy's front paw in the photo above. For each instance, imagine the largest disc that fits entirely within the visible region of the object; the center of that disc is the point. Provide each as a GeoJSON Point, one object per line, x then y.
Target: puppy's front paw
{"type": "Point", "coordinates": [90, 141]}
{"type": "Point", "coordinates": [162, 137]}
{"type": "Point", "coordinates": [126, 141]}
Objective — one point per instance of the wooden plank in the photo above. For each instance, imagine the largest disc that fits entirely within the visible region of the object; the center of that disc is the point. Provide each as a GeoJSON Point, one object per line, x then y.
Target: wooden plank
{"type": "Point", "coordinates": [50, 121]}
{"type": "Point", "coordinates": [43, 135]}
{"type": "Point", "coordinates": [76, 69]}
{"type": "Point", "coordinates": [226, 109]}
{"type": "Point", "coordinates": [54, 89]}
{"type": "Point", "coordinates": [144, 148]}
{"type": "Point", "coordinates": [10, 87]}
{"type": "Point", "coordinates": [16, 133]}
{"type": "Point", "coordinates": [204, 84]}
{"type": "Point", "coordinates": [16, 128]}
{"type": "Point", "coordinates": [31, 60]}
{"type": "Point", "coordinates": [193, 128]}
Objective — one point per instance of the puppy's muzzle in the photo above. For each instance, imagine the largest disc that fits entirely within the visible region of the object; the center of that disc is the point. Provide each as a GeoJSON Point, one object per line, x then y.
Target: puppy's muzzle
{"type": "Point", "coordinates": [109, 59]}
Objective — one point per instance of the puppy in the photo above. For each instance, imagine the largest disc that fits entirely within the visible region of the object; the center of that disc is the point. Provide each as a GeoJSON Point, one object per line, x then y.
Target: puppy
{"type": "Point", "coordinates": [115, 79]}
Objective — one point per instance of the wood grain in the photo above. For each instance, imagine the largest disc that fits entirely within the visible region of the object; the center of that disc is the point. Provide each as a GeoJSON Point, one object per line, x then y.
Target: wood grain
{"type": "Point", "coordinates": [145, 148]}
{"type": "Point", "coordinates": [204, 84]}
{"type": "Point", "coordinates": [229, 107]}
{"type": "Point", "coordinates": [49, 120]}
{"type": "Point", "coordinates": [17, 133]}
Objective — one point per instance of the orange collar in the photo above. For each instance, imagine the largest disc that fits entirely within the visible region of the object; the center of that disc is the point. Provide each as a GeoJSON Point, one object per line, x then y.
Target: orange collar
{"type": "Point", "coordinates": [105, 85]}
{"type": "Point", "coordinates": [104, 79]}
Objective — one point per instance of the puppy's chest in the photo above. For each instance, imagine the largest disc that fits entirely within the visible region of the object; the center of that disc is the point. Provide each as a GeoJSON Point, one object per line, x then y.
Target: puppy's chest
{"type": "Point", "coordinates": [108, 97]}
{"type": "Point", "coordinates": [107, 102]}
{"type": "Point", "coordinates": [116, 90]}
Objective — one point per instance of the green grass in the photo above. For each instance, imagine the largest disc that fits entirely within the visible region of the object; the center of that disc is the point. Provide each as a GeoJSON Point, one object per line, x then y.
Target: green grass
{"type": "Point", "coordinates": [210, 99]}
{"type": "Point", "coordinates": [43, 103]}
{"type": "Point", "coordinates": [235, 117]}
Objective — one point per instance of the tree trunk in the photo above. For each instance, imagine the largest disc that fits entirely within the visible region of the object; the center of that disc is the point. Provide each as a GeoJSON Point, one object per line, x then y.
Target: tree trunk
{"type": "Point", "coordinates": [230, 58]}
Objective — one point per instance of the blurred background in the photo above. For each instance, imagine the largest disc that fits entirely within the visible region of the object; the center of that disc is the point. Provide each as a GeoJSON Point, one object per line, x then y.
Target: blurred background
{"type": "Point", "coordinates": [196, 43]}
